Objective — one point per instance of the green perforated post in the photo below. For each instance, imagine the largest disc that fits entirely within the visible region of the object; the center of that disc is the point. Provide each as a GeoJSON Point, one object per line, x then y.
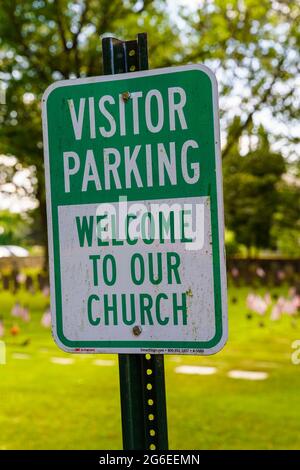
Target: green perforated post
{"type": "Point", "coordinates": [142, 379]}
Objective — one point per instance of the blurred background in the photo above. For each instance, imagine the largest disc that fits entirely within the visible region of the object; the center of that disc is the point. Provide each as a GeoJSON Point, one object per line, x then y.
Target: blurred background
{"type": "Point", "coordinates": [247, 396]}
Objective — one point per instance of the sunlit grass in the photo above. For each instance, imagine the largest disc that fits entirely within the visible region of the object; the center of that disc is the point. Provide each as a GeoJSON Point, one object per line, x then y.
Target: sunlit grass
{"type": "Point", "coordinates": [76, 406]}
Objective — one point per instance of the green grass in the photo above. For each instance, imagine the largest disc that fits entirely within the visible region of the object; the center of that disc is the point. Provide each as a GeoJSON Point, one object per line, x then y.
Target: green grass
{"type": "Point", "coordinates": [53, 406]}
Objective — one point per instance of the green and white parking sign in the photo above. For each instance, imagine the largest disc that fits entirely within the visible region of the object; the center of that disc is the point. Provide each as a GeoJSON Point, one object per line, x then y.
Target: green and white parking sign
{"type": "Point", "coordinates": [135, 212]}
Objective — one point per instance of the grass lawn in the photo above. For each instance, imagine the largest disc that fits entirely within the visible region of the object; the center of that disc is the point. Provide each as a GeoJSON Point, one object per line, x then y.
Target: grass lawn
{"type": "Point", "coordinates": [47, 404]}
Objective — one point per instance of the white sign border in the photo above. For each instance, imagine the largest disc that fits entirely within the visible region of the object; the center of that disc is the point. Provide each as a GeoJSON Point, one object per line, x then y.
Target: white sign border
{"type": "Point", "coordinates": [220, 206]}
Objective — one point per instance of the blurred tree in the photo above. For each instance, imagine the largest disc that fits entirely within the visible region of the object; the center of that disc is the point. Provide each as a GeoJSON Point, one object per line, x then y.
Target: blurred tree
{"type": "Point", "coordinates": [253, 45]}
{"type": "Point", "coordinates": [286, 228]}
{"type": "Point", "coordinates": [17, 180]}
{"type": "Point", "coordinates": [43, 41]}
{"type": "Point", "coordinates": [13, 228]}
{"type": "Point", "coordinates": [251, 194]}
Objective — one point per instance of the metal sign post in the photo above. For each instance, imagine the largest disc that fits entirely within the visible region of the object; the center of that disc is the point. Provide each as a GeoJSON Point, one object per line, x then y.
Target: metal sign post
{"type": "Point", "coordinates": [135, 223]}
{"type": "Point", "coordinates": [142, 380]}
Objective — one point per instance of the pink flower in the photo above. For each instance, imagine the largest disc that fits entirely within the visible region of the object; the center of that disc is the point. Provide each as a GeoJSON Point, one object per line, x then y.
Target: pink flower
{"type": "Point", "coordinates": [260, 306]}
{"type": "Point", "coordinates": [46, 319]}
{"type": "Point", "coordinates": [20, 312]}
{"type": "Point", "coordinates": [235, 272]}
{"type": "Point", "coordinates": [296, 301]}
{"type": "Point", "coordinates": [280, 275]}
{"type": "Point", "coordinates": [249, 301]}
{"type": "Point", "coordinates": [292, 292]}
{"type": "Point", "coordinates": [268, 298]}
{"type": "Point", "coordinates": [21, 278]}
{"type": "Point", "coordinates": [289, 307]}
{"type": "Point", "coordinates": [281, 302]}
{"type": "Point", "coordinates": [16, 311]}
{"type": "Point", "coordinates": [1, 329]}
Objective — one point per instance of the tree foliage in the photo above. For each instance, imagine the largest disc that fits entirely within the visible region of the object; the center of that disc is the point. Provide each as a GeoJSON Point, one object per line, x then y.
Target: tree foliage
{"type": "Point", "coordinates": [250, 193]}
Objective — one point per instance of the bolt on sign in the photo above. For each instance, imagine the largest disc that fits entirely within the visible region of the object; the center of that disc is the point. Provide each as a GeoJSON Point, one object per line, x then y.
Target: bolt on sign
{"type": "Point", "coordinates": [135, 212]}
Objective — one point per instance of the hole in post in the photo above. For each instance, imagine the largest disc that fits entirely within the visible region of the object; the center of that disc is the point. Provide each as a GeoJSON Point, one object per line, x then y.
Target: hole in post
{"type": "Point", "coordinates": [151, 417]}
{"type": "Point", "coordinates": [149, 386]}
{"type": "Point", "coordinates": [150, 402]}
{"type": "Point", "coordinates": [149, 371]}
{"type": "Point", "coordinates": [132, 52]}
{"type": "Point", "coordinates": [148, 357]}
{"type": "Point", "coordinates": [152, 447]}
{"type": "Point", "coordinates": [152, 432]}
{"type": "Point", "coordinates": [132, 68]}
